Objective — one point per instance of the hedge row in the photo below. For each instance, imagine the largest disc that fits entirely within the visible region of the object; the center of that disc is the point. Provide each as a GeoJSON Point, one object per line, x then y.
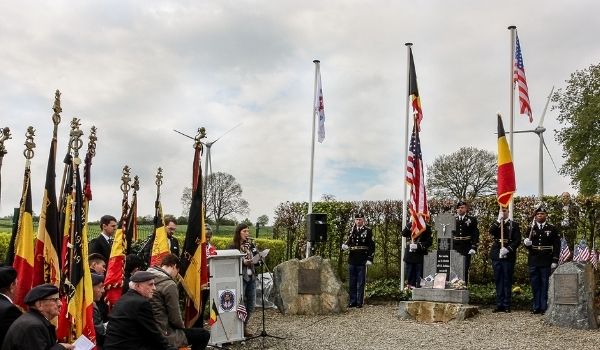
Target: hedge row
{"type": "Point", "coordinates": [579, 219]}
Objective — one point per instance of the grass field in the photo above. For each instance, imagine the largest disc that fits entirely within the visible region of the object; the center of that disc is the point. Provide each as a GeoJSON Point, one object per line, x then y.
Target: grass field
{"type": "Point", "coordinates": [145, 230]}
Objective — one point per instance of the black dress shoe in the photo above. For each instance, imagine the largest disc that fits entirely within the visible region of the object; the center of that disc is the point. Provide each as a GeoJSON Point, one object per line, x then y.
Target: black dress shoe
{"type": "Point", "coordinates": [359, 306]}
{"type": "Point", "coordinates": [352, 305]}
{"type": "Point", "coordinates": [536, 312]}
{"type": "Point", "coordinates": [507, 310]}
{"type": "Point", "coordinates": [498, 309]}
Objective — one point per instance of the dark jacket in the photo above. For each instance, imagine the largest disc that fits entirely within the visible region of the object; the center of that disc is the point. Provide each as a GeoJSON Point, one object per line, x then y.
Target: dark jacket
{"type": "Point", "coordinates": [250, 250]}
{"type": "Point", "coordinates": [99, 327]}
{"type": "Point", "coordinates": [31, 331]}
{"type": "Point", "coordinates": [361, 245]}
{"type": "Point", "coordinates": [512, 239]}
{"type": "Point", "coordinates": [546, 245]}
{"type": "Point", "coordinates": [424, 242]}
{"type": "Point", "coordinates": [99, 245]}
{"type": "Point", "coordinates": [131, 326]}
{"type": "Point", "coordinates": [146, 252]}
{"type": "Point", "coordinates": [9, 312]}
{"type": "Point", "coordinates": [466, 235]}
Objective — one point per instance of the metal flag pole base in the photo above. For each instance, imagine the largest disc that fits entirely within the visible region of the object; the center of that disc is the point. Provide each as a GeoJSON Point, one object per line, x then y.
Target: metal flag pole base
{"type": "Point", "coordinates": [263, 334]}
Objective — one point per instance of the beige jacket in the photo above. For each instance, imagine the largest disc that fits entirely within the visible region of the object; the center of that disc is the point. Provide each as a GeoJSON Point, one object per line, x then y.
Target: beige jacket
{"type": "Point", "coordinates": [165, 307]}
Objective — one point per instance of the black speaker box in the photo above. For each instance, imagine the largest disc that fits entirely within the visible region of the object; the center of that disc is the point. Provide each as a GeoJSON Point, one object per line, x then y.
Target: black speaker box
{"type": "Point", "coordinates": [316, 227]}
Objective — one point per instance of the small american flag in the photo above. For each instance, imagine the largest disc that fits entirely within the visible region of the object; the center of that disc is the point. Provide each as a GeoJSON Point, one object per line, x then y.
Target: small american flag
{"type": "Point", "coordinates": [242, 314]}
{"type": "Point", "coordinates": [521, 82]}
{"type": "Point", "coordinates": [565, 252]}
{"type": "Point", "coordinates": [594, 259]}
{"type": "Point", "coordinates": [419, 211]}
{"type": "Point", "coordinates": [582, 252]}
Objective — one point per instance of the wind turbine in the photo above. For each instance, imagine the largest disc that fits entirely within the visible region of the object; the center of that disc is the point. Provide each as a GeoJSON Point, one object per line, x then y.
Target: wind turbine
{"type": "Point", "coordinates": [539, 130]}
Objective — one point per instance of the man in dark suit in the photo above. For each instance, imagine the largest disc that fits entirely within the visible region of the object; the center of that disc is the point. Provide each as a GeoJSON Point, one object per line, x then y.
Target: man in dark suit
{"type": "Point", "coordinates": [9, 312]}
{"type": "Point", "coordinates": [361, 253]}
{"type": "Point", "coordinates": [131, 324]}
{"type": "Point", "coordinates": [414, 252]}
{"type": "Point", "coordinates": [543, 245]}
{"type": "Point", "coordinates": [171, 227]}
{"type": "Point", "coordinates": [505, 241]}
{"type": "Point", "coordinates": [103, 243]}
{"type": "Point", "coordinates": [465, 238]}
{"type": "Point", "coordinates": [33, 329]}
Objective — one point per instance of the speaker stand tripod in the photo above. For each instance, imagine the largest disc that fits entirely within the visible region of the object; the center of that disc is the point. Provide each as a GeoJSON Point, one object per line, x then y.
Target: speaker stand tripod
{"type": "Point", "coordinates": [263, 334]}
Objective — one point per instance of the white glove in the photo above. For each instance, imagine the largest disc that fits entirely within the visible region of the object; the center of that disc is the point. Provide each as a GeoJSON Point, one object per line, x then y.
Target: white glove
{"type": "Point", "coordinates": [369, 262]}
{"type": "Point", "coordinates": [503, 252]}
{"type": "Point", "coordinates": [527, 242]}
{"type": "Point", "coordinates": [412, 247]}
{"type": "Point", "coordinates": [472, 252]}
{"type": "Point", "coordinates": [554, 265]}
{"type": "Point", "coordinates": [344, 246]}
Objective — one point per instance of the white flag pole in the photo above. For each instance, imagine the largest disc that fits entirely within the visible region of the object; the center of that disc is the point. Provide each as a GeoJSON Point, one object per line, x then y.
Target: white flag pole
{"type": "Point", "coordinates": [312, 151]}
{"type": "Point", "coordinates": [404, 187]}
{"type": "Point", "coordinates": [512, 105]}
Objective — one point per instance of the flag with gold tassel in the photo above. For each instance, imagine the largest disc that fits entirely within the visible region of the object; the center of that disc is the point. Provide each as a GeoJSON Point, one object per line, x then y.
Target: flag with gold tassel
{"type": "Point", "coordinates": [160, 245]}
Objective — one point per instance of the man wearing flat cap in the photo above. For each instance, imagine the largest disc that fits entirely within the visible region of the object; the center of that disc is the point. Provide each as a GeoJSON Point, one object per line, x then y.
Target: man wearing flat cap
{"type": "Point", "coordinates": [465, 238]}
{"type": "Point", "coordinates": [131, 324]}
{"type": "Point", "coordinates": [33, 329]}
{"type": "Point", "coordinates": [9, 312]}
{"type": "Point", "coordinates": [543, 246]}
{"type": "Point", "coordinates": [361, 249]}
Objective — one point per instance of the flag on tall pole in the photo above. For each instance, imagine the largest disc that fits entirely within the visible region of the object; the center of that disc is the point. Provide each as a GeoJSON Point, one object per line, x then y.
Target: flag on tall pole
{"type": "Point", "coordinates": [115, 271]}
{"type": "Point", "coordinates": [413, 92]}
{"type": "Point", "coordinates": [319, 106]}
{"type": "Point", "coordinates": [76, 315]}
{"type": "Point", "coordinates": [194, 267]}
{"type": "Point", "coordinates": [20, 250]}
{"type": "Point", "coordinates": [160, 245]}
{"type": "Point", "coordinates": [4, 135]}
{"type": "Point", "coordinates": [131, 232]}
{"type": "Point", "coordinates": [506, 171]}
{"type": "Point", "coordinates": [521, 82]}
{"type": "Point", "coordinates": [415, 176]}
{"type": "Point", "coordinates": [47, 243]}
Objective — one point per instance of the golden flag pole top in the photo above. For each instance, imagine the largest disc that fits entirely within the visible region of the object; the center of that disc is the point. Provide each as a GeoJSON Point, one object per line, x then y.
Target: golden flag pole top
{"type": "Point", "coordinates": [75, 141]}
{"type": "Point", "coordinates": [29, 145]}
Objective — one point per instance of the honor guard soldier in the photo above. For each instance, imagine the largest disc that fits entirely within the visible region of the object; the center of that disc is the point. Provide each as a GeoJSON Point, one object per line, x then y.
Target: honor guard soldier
{"type": "Point", "coordinates": [505, 241]}
{"type": "Point", "coordinates": [414, 253]}
{"type": "Point", "coordinates": [543, 245]}
{"type": "Point", "coordinates": [466, 236]}
{"type": "Point", "coordinates": [361, 249]}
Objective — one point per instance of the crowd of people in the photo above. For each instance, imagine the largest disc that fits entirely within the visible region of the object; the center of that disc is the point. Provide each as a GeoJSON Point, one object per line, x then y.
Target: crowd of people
{"type": "Point", "coordinates": [146, 316]}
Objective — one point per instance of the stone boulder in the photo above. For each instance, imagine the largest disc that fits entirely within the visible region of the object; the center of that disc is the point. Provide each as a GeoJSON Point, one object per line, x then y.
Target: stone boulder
{"type": "Point", "coordinates": [571, 297]}
{"type": "Point", "coordinates": [430, 311]}
{"type": "Point", "coordinates": [331, 298]}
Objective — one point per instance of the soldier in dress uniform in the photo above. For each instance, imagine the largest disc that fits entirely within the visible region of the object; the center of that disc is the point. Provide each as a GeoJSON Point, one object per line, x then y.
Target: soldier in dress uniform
{"type": "Point", "coordinates": [361, 249]}
{"type": "Point", "coordinates": [466, 236]}
{"type": "Point", "coordinates": [505, 241]}
{"type": "Point", "coordinates": [543, 245]}
{"type": "Point", "coordinates": [414, 253]}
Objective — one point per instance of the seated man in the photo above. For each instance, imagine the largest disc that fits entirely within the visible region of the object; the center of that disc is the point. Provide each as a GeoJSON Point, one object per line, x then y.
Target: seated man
{"type": "Point", "coordinates": [131, 324]}
{"type": "Point", "coordinates": [33, 330]}
{"type": "Point", "coordinates": [165, 306]}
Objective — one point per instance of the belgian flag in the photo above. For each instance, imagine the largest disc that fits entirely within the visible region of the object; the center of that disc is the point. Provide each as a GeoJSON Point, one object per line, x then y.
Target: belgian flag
{"type": "Point", "coordinates": [20, 251]}
{"type": "Point", "coordinates": [160, 245]}
{"type": "Point", "coordinates": [194, 267]}
{"type": "Point", "coordinates": [506, 170]}
{"type": "Point", "coordinates": [214, 314]}
{"type": "Point", "coordinates": [413, 92]}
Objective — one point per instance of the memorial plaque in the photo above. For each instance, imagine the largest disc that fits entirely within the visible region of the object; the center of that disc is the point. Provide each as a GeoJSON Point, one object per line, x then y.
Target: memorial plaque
{"type": "Point", "coordinates": [443, 262]}
{"type": "Point", "coordinates": [309, 281]}
{"type": "Point", "coordinates": [439, 281]}
{"type": "Point", "coordinates": [565, 289]}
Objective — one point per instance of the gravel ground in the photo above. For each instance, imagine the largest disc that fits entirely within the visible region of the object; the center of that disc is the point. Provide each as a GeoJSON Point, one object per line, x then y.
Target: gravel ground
{"type": "Point", "coordinates": [377, 327]}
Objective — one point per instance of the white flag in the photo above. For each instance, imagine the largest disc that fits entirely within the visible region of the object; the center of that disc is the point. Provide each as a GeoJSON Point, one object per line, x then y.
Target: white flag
{"type": "Point", "coordinates": [319, 108]}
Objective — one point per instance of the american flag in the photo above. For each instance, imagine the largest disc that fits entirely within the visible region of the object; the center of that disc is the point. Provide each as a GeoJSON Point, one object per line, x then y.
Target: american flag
{"type": "Point", "coordinates": [594, 259]}
{"type": "Point", "coordinates": [565, 252]}
{"type": "Point", "coordinates": [241, 311]}
{"type": "Point", "coordinates": [581, 253]}
{"type": "Point", "coordinates": [520, 80]}
{"type": "Point", "coordinates": [415, 176]}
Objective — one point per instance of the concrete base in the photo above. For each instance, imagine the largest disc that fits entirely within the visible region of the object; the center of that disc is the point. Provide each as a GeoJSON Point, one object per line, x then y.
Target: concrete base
{"type": "Point", "coordinates": [460, 296]}
{"type": "Point", "coordinates": [426, 311]}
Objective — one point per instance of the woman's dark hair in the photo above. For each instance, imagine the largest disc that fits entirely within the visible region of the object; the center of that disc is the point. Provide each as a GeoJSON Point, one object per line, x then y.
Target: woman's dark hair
{"type": "Point", "coordinates": [237, 237]}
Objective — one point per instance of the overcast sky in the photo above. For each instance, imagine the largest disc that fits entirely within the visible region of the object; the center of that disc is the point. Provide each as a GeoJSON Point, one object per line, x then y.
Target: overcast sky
{"type": "Point", "coordinates": [139, 69]}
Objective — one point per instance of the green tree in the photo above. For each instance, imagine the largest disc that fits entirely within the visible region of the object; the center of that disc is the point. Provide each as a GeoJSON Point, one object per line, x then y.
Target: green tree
{"type": "Point", "coordinates": [579, 110]}
{"type": "Point", "coordinates": [465, 174]}
{"type": "Point", "coordinates": [263, 220]}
